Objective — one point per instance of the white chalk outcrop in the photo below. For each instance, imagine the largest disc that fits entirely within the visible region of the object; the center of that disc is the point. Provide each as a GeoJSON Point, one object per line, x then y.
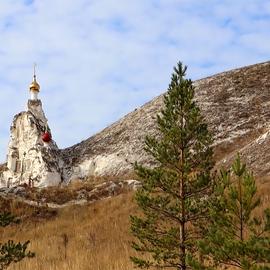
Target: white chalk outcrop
{"type": "Point", "coordinates": [29, 160]}
{"type": "Point", "coordinates": [235, 105]}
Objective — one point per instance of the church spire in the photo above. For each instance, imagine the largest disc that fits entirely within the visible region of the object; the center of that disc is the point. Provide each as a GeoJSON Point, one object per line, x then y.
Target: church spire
{"type": "Point", "coordinates": [34, 86]}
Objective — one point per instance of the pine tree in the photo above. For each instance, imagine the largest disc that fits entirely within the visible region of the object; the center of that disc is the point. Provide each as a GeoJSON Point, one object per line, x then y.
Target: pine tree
{"type": "Point", "coordinates": [237, 237]}
{"type": "Point", "coordinates": [174, 191]}
{"type": "Point", "coordinates": [11, 252]}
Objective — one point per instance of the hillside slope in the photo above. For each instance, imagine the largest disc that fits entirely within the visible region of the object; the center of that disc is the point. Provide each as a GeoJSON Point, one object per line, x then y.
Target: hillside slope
{"type": "Point", "coordinates": [94, 236]}
{"type": "Point", "coordinates": [82, 237]}
{"type": "Point", "coordinates": [235, 105]}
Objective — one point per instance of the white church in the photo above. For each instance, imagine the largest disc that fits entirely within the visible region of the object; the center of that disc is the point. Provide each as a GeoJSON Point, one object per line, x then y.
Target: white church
{"type": "Point", "coordinates": [33, 157]}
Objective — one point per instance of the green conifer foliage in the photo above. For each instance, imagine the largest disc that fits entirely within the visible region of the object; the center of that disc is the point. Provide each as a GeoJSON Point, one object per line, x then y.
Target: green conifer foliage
{"type": "Point", "coordinates": [174, 191]}
{"type": "Point", "coordinates": [11, 252]}
{"type": "Point", "coordinates": [237, 237]}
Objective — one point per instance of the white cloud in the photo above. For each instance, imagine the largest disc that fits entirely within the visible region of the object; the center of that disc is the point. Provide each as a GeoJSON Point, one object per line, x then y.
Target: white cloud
{"type": "Point", "coordinates": [99, 59]}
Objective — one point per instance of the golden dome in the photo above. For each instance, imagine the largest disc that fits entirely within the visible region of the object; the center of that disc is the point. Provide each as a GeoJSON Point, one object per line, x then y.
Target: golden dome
{"type": "Point", "coordinates": [34, 86]}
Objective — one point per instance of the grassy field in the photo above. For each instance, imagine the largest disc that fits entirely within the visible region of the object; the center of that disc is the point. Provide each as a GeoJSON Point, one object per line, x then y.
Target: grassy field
{"type": "Point", "coordinates": [92, 237]}
{"type": "Point", "coordinates": [79, 237]}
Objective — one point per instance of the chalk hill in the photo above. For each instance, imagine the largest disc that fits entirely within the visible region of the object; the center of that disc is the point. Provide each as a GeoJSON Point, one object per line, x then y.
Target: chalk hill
{"type": "Point", "coordinates": [236, 105]}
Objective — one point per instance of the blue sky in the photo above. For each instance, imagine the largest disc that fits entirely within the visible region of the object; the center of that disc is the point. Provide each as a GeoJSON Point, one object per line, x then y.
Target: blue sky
{"type": "Point", "coordinates": [99, 59]}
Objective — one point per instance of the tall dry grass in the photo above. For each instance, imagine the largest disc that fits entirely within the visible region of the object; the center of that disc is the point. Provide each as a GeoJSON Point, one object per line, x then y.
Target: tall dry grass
{"type": "Point", "coordinates": [89, 237]}
{"type": "Point", "coordinates": [92, 237]}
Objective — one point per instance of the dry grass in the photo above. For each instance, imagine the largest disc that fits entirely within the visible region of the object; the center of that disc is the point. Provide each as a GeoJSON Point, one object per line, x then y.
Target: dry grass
{"type": "Point", "coordinates": [65, 193]}
{"type": "Point", "coordinates": [263, 192]}
{"type": "Point", "coordinates": [25, 212]}
{"type": "Point", "coordinates": [92, 237]}
{"type": "Point", "coordinates": [80, 237]}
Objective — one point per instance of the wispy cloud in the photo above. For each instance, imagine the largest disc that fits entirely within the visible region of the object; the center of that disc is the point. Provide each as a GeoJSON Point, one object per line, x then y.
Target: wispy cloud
{"type": "Point", "coordinates": [99, 59]}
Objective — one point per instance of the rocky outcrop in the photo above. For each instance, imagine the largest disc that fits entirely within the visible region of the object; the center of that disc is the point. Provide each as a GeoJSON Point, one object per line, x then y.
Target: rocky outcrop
{"type": "Point", "coordinates": [65, 196]}
{"type": "Point", "coordinates": [236, 105]}
{"type": "Point", "coordinates": [29, 159]}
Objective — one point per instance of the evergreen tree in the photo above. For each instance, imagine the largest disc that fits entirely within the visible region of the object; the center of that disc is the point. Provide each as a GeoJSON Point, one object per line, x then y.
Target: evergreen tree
{"type": "Point", "coordinates": [11, 252]}
{"type": "Point", "coordinates": [174, 191]}
{"type": "Point", "coordinates": [236, 236]}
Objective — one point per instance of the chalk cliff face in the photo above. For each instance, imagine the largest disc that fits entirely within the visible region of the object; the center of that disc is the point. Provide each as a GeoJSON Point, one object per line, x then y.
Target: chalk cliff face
{"type": "Point", "coordinates": [29, 160]}
{"type": "Point", "coordinates": [235, 104]}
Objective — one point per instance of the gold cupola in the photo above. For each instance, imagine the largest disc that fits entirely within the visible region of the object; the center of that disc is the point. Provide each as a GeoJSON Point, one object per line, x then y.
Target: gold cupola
{"type": "Point", "coordinates": [34, 86]}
